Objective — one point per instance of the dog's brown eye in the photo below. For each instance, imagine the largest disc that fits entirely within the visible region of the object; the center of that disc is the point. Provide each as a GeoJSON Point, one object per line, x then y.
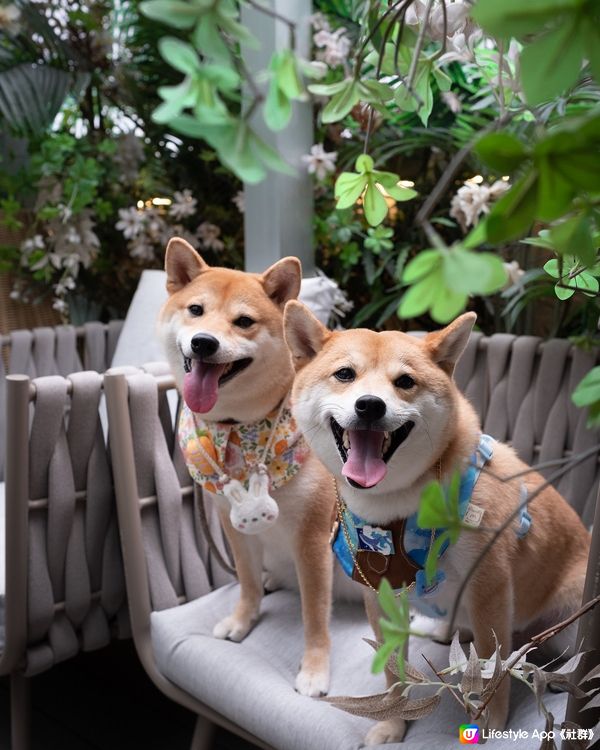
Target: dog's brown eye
{"type": "Point", "coordinates": [345, 374]}
{"type": "Point", "coordinates": [404, 381]}
{"type": "Point", "coordinates": [196, 310]}
{"type": "Point", "coordinates": [243, 321]}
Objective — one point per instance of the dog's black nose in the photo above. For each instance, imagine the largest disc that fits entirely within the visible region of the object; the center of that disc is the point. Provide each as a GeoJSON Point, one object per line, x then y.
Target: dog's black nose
{"type": "Point", "coordinates": [203, 344]}
{"type": "Point", "coordinates": [369, 408]}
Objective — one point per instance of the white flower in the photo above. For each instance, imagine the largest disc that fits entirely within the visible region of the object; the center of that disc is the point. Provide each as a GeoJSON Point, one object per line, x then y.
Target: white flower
{"type": "Point", "coordinates": [319, 22]}
{"type": "Point", "coordinates": [15, 294]}
{"type": "Point", "coordinates": [239, 200]}
{"type": "Point", "coordinates": [71, 263]}
{"type": "Point", "coordinates": [320, 162]}
{"type": "Point", "coordinates": [141, 249]}
{"type": "Point", "coordinates": [60, 305]}
{"type": "Point", "coordinates": [346, 133]}
{"type": "Point", "coordinates": [131, 222]}
{"type": "Point", "coordinates": [33, 243]}
{"type": "Point", "coordinates": [452, 101]}
{"type": "Point", "coordinates": [514, 273]}
{"type": "Point", "coordinates": [334, 46]}
{"type": "Point", "coordinates": [183, 205]}
{"type": "Point", "coordinates": [9, 19]}
{"type": "Point", "coordinates": [72, 236]}
{"type": "Point", "coordinates": [66, 284]}
{"type": "Point", "coordinates": [456, 17]}
{"type": "Point", "coordinates": [209, 234]}
{"type": "Point", "coordinates": [472, 200]}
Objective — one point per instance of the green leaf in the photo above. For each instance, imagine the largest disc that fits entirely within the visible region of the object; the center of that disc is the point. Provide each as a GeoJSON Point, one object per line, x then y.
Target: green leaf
{"type": "Point", "coordinates": [176, 13]}
{"type": "Point", "coordinates": [179, 55]}
{"type": "Point", "coordinates": [278, 107]}
{"type": "Point", "coordinates": [387, 602]}
{"type": "Point", "coordinates": [284, 66]}
{"type": "Point", "coordinates": [341, 103]}
{"type": "Point", "coordinates": [364, 163]}
{"type": "Point", "coordinates": [209, 42]}
{"type": "Point", "coordinates": [375, 92]}
{"type": "Point", "coordinates": [501, 151]}
{"type": "Point", "coordinates": [374, 204]}
{"type": "Point", "coordinates": [348, 188]}
{"type": "Point", "coordinates": [588, 390]}
{"type": "Point", "coordinates": [473, 273]}
{"type": "Point", "coordinates": [580, 168]}
{"type": "Point", "coordinates": [591, 36]}
{"type": "Point", "coordinates": [433, 555]}
{"type": "Point", "coordinates": [448, 304]}
{"type": "Point", "coordinates": [574, 237]}
{"type": "Point", "coordinates": [382, 656]}
{"type": "Point", "coordinates": [421, 265]}
{"type": "Point", "coordinates": [327, 89]}
{"type": "Point", "coordinates": [551, 268]}
{"type": "Point", "coordinates": [561, 290]}
{"type": "Point", "coordinates": [587, 284]}
{"type": "Point", "coordinates": [516, 18]}
{"type": "Point", "coordinates": [551, 64]}
{"type": "Point", "coordinates": [513, 214]}
{"type": "Point", "coordinates": [421, 296]}
{"type": "Point", "coordinates": [433, 511]}
{"type": "Point", "coordinates": [554, 193]}
{"type": "Point", "coordinates": [269, 157]}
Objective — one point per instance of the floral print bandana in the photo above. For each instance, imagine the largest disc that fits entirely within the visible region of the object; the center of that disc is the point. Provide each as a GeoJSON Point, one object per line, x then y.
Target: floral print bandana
{"type": "Point", "coordinates": [238, 448]}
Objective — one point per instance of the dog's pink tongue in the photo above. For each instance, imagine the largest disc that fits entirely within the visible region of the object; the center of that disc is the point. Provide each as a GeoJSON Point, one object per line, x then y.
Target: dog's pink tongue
{"type": "Point", "coordinates": [364, 464]}
{"type": "Point", "coordinates": [201, 386]}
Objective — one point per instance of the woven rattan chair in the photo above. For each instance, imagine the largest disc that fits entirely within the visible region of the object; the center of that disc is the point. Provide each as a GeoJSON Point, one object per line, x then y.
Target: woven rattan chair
{"type": "Point", "coordinates": [520, 387]}
{"type": "Point", "coordinates": [62, 586]}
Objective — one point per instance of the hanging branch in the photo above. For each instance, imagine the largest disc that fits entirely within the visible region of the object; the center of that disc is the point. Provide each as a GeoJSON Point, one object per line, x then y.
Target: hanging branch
{"type": "Point", "coordinates": [278, 17]}
{"type": "Point", "coordinates": [536, 640]}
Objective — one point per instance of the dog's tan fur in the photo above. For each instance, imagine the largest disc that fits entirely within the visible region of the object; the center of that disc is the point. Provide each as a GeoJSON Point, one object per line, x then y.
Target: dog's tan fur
{"type": "Point", "coordinates": [520, 582]}
{"type": "Point", "coordinates": [306, 501]}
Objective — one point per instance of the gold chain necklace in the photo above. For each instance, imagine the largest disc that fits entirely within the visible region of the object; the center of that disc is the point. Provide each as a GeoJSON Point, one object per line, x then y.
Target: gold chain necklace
{"type": "Point", "coordinates": [342, 509]}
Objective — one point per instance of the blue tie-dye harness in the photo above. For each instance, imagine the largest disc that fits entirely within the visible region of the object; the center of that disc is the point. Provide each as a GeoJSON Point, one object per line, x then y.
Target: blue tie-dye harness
{"type": "Point", "coordinates": [415, 540]}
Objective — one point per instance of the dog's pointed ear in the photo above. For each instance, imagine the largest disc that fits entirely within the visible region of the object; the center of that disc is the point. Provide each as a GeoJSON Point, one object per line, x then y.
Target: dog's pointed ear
{"type": "Point", "coordinates": [282, 280]}
{"type": "Point", "coordinates": [182, 264]}
{"type": "Point", "coordinates": [447, 345]}
{"type": "Point", "coordinates": [304, 334]}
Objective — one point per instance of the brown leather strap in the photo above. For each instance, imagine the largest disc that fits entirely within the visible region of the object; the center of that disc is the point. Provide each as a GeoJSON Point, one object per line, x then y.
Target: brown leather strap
{"type": "Point", "coordinates": [398, 569]}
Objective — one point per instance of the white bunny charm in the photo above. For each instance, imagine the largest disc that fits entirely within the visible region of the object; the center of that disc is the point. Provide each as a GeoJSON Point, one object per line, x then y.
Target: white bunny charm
{"type": "Point", "coordinates": [252, 510]}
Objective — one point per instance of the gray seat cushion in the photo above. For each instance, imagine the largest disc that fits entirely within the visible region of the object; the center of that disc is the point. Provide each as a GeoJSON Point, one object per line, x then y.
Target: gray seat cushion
{"type": "Point", "coordinates": [252, 682]}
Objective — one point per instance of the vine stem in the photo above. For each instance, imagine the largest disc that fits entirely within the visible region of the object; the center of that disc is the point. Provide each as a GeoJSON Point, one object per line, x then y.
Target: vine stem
{"type": "Point", "coordinates": [535, 641]}
{"type": "Point", "coordinates": [412, 71]}
{"type": "Point", "coordinates": [278, 17]}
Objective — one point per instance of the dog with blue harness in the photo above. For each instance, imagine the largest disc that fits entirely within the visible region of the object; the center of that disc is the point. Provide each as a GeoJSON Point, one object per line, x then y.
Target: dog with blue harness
{"type": "Point", "coordinates": [383, 413]}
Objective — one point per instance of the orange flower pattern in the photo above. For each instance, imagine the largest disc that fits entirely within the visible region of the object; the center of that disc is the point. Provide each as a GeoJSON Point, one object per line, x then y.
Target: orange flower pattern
{"type": "Point", "coordinates": [236, 448]}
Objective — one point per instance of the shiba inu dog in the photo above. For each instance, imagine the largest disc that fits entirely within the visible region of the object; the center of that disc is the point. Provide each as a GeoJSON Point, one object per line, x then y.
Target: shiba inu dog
{"type": "Point", "coordinates": [222, 331]}
{"type": "Point", "coordinates": [382, 412]}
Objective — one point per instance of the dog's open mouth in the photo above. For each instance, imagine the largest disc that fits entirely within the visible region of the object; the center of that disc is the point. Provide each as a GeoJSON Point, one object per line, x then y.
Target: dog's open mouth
{"type": "Point", "coordinates": [365, 453]}
{"type": "Point", "coordinates": [203, 380]}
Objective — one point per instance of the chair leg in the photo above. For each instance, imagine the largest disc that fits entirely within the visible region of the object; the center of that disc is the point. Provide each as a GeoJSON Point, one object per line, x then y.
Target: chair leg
{"type": "Point", "coordinates": [204, 733]}
{"type": "Point", "coordinates": [20, 711]}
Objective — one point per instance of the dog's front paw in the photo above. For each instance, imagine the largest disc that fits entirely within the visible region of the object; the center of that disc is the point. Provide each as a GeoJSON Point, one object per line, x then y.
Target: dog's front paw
{"type": "Point", "coordinates": [392, 730]}
{"type": "Point", "coordinates": [313, 677]}
{"type": "Point", "coordinates": [312, 682]}
{"type": "Point", "coordinates": [234, 628]}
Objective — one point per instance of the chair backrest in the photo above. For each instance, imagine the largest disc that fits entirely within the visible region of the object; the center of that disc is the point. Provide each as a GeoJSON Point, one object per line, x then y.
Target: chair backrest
{"type": "Point", "coordinates": [160, 514]}
{"type": "Point", "coordinates": [54, 351]}
{"type": "Point", "coordinates": [521, 388]}
{"type": "Point", "coordinates": [65, 587]}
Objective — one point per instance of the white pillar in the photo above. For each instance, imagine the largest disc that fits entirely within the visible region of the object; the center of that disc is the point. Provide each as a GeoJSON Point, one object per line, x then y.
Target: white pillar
{"type": "Point", "coordinates": [279, 210]}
